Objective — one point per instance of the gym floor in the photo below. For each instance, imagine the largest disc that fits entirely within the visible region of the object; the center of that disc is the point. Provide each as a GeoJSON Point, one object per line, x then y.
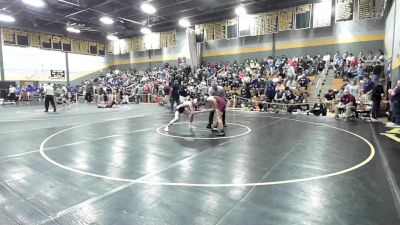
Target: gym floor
{"type": "Point", "coordinates": [117, 166]}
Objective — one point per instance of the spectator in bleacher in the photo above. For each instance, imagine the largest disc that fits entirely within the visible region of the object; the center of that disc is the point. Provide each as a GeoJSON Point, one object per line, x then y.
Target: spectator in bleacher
{"type": "Point", "coordinates": [167, 90]}
{"type": "Point", "coordinates": [348, 103]}
{"type": "Point", "coordinates": [351, 72]}
{"type": "Point", "coordinates": [319, 108]}
{"type": "Point", "coordinates": [360, 71]}
{"type": "Point", "coordinates": [330, 96]}
{"type": "Point", "coordinates": [291, 84]}
{"type": "Point", "coordinates": [280, 86]}
{"type": "Point", "coordinates": [353, 88]}
{"type": "Point", "coordinates": [367, 89]}
{"type": "Point", "coordinates": [377, 72]}
{"type": "Point", "coordinates": [280, 96]}
{"type": "Point", "coordinates": [339, 93]}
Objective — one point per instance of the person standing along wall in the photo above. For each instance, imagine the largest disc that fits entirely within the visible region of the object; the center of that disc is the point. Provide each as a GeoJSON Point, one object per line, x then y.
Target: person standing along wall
{"type": "Point", "coordinates": [49, 92]}
{"type": "Point", "coordinates": [12, 93]}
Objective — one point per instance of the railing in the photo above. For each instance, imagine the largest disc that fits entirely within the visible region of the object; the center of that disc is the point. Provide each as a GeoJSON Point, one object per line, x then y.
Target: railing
{"type": "Point", "coordinates": [237, 102]}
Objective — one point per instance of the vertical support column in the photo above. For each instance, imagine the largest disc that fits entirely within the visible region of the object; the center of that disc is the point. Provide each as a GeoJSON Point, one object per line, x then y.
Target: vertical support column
{"type": "Point", "coordinates": [395, 76]}
{"type": "Point", "coordinates": [273, 45]}
{"type": "Point", "coordinates": [67, 68]}
{"type": "Point", "coordinates": [150, 59]}
{"type": "Point", "coordinates": [2, 78]}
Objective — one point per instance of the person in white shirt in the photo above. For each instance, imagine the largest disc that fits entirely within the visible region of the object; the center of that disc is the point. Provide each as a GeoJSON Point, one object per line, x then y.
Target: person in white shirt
{"type": "Point", "coordinates": [12, 93]}
{"type": "Point", "coordinates": [327, 59]}
{"type": "Point", "coordinates": [187, 108]}
{"type": "Point", "coordinates": [49, 92]}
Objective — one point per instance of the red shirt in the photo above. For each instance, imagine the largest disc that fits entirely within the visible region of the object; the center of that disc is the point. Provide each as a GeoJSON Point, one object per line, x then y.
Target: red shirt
{"type": "Point", "coordinates": [348, 98]}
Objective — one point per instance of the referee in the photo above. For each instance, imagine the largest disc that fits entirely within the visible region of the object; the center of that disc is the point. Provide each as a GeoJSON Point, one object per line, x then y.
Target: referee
{"type": "Point", "coordinates": [215, 90]}
{"type": "Point", "coordinates": [49, 92]}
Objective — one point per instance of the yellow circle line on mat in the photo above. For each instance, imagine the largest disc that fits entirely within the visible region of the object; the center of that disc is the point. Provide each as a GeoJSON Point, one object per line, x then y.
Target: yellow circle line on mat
{"type": "Point", "coordinates": [142, 181]}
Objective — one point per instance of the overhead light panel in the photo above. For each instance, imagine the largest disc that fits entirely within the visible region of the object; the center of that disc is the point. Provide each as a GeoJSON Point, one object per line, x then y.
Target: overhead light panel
{"type": "Point", "coordinates": [184, 23]}
{"type": "Point", "coordinates": [145, 30]}
{"type": "Point", "coordinates": [147, 8]}
{"type": "Point", "coordinates": [240, 11]}
{"type": "Point", "coordinates": [112, 37]}
{"type": "Point", "coordinates": [73, 30]}
{"type": "Point", "coordinates": [34, 3]}
{"type": "Point", "coordinates": [107, 20]}
{"type": "Point", "coordinates": [6, 18]}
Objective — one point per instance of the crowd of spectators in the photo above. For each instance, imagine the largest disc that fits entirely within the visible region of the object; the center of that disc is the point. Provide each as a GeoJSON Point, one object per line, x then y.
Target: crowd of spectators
{"type": "Point", "coordinates": [273, 84]}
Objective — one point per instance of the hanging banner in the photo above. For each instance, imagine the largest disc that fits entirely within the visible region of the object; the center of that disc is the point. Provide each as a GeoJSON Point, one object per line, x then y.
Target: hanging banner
{"type": "Point", "coordinates": [322, 13]}
{"type": "Point", "coordinates": [56, 42]}
{"type": "Point", "coordinates": [366, 9]}
{"type": "Point", "coordinates": [155, 41]}
{"type": "Point", "coordinates": [128, 43]}
{"type": "Point", "coordinates": [209, 32]}
{"type": "Point", "coordinates": [93, 48]}
{"type": "Point", "coordinates": [34, 39]}
{"type": "Point", "coordinates": [344, 10]}
{"type": "Point", "coordinates": [76, 46]}
{"type": "Point", "coordinates": [220, 30]}
{"type": "Point", "coordinates": [140, 42]}
{"type": "Point", "coordinates": [66, 44]}
{"type": "Point", "coordinates": [151, 41]}
{"type": "Point", "coordinates": [9, 36]}
{"type": "Point", "coordinates": [271, 23]}
{"type": "Point", "coordinates": [232, 28]}
{"type": "Point", "coordinates": [246, 25]}
{"type": "Point", "coordinates": [286, 19]}
{"type": "Point", "coordinates": [167, 39]}
{"type": "Point", "coordinates": [135, 46]}
{"type": "Point", "coordinates": [172, 38]}
{"type": "Point", "coordinates": [22, 37]}
{"type": "Point", "coordinates": [100, 49]}
{"type": "Point", "coordinates": [46, 40]}
{"type": "Point", "coordinates": [199, 31]}
{"type": "Point", "coordinates": [303, 17]}
{"type": "Point", "coordinates": [259, 21]}
{"type": "Point", "coordinates": [110, 47]}
{"type": "Point", "coordinates": [84, 47]}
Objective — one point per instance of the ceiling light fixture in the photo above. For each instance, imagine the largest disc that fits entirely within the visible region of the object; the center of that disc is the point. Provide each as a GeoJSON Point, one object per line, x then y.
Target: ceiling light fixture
{"type": "Point", "coordinates": [240, 11]}
{"type": "Point", "coordinates": [184, 22]}
{"type": "Point", "coordinates": [112, 37]}
{"type": "Point", "coordinates": [145, 30]}
{"type": "Point", "coordinates": [6, 18]}
{"type": "Point", "coordinates": [147, 8]}
{"type": "Point", "coordinates": [107, 20]}
{"type": "Point", "coordinates": [35, 3]}
{"type": "Point", "coordinates": [73, 30]}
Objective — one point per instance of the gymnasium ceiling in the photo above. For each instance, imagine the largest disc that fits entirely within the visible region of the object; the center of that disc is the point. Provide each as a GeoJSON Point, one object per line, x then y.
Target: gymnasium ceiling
{"type": "Point", "coordinates": [127, 14]}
